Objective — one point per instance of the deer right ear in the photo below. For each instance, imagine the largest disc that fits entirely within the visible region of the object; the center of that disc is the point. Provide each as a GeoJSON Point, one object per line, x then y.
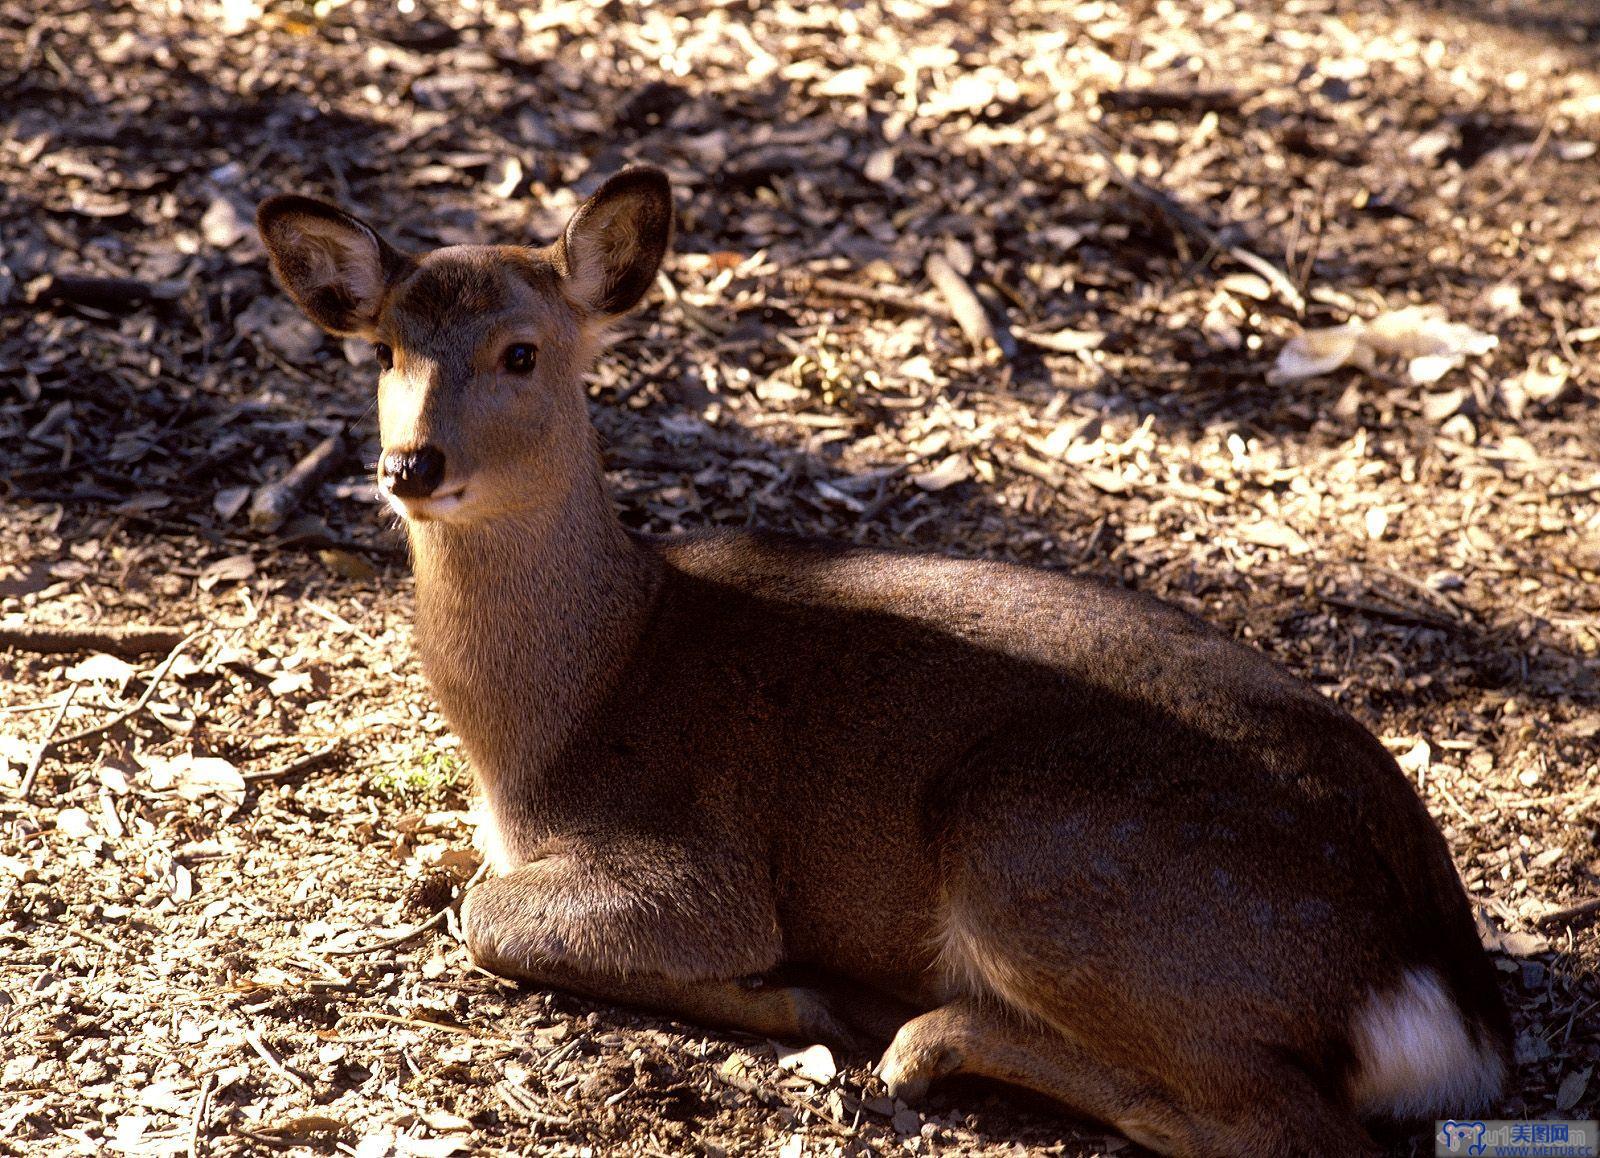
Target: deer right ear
{"type": "Point", "coordinates": [614, 243]}
{"type": "Point", "coordinates": [334, 266]}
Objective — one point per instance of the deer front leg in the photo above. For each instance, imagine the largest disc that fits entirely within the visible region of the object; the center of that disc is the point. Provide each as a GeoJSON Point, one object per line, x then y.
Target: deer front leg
{"type": "Point", "coordinates": [692, 946]}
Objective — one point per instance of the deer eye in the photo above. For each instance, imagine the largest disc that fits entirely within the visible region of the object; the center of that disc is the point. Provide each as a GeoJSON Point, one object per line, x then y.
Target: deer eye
{"type": "Point", "coordinates": [385, 353]}
{"type": "Point", "coordinates": [519, 358]}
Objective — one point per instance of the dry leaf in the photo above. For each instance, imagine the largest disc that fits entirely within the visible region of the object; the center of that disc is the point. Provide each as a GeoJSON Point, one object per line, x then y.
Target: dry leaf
{"type": "Point", "coordinates": [229, 500]}
{"type": "Point", "coordinates": [233, 569]}
{"type": "Point", "coordinates": [303, 1126]}
{"type": "Point", "coordinates": [814, 1063]}
{"type": "Point", "coordinates": [1271, 533]}
{"type": "Point", "coordinates": [196, 777]}
{"type": "Point", "coordinates": [74, 823]}
{"type": "Point", "coordinates": [952, 470]}
{"type": "Point", "coordinates": [101, 668]}
{"type": "Point", "coordinates": [223, 226]}
{"type": "Point", "coordinates": [1432, 344]}
{"type": "Point", "coordinates": [1316, 352]}
{"type": "Point", "coordinates": [1572, 1088]}
{"type": "Point", "coordinates": [1417, 760]}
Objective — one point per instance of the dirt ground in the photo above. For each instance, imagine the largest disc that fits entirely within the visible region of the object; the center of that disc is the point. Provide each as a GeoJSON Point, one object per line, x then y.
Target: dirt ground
{"type": "Point", "coordinates": [1147, 199]}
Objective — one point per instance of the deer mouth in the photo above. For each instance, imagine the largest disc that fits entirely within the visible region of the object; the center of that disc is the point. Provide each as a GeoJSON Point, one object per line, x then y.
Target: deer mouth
{"type": "Point", "coordinates": [441, 504]}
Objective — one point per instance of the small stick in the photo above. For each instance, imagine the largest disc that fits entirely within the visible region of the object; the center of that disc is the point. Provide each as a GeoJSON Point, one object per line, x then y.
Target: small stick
{"type": "Point", "coordinates": [893, 297]}
{"type": "Point", "coordinates": [260, 1047]}
{"type": "Point", "coordinates": [198, 1121]}
{"type": "Point", "coordinates": [964, 305]}
{"type": "Point", "coordinates": [294, 767]}
{"type": "Point", "coordinates": [1186, 221]}
{"type": "Point", "coordinates": [1414, 616]}
{"type": "Point", "coordinates": [412, 933]}
{"type": "Point", "coordinates": [38, 757]}
{"type": "Point", "coordinates": [1172, 100]}
{"type": "Point", "coordinates": [338, 620]}
{"type": "Point", "coordinates": [112, 294]}
{"type": "Point", "coordinates": [422, 1023]}
{"type": "Point", "coordinates": [125, 641]}
{"type": "Point", "coordinates": [275, 502]}
{"type": "Point", "coordinates": [126, 714]}
{"type": "Point", "coordinates": [1568, 913]}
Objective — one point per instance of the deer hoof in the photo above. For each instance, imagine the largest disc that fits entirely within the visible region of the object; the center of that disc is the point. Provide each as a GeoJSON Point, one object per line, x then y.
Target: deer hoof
{"type": "Point", "coordinates": [914, 1060]}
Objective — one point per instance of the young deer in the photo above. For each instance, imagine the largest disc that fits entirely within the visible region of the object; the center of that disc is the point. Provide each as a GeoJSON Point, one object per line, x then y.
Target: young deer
{"type": "Point", "coordinates": [1034, 827]}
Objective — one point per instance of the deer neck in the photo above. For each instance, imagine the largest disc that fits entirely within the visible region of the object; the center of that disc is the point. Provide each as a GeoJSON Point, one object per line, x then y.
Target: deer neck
{"type": "Point", "coordinates": [523, 624]}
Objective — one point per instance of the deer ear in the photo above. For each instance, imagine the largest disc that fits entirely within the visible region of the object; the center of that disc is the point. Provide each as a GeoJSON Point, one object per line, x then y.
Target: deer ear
{"type": "Point", "coordinates": [334, 266]}
{"type": "Point", "coordinates": [614, 243]}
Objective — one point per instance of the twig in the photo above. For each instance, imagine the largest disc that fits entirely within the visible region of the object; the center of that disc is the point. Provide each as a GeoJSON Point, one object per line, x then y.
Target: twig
{"type": "Point", "coordinates": [38, 757]}
{"type": "Point", "coordinates": [1172, 100]}
{"type": "Point", "coordinates": [964, 305]}
{"type": "Point", "coordinates": [893, 297]}
{"type": "Point", "coordinates": [1567, 913]}
{"type": "Point", "coordinates": [400, 938]}
{"type": "Point", "coordinates": [294, 767]}
{"type": "Point", "coordinates": [423, 1023]}
{"type": "Point", "coordinates": [1517, 182]}
{"type": "Point", "coordinates": [253, 1039]}
{"type": "Point", "coordinates": [338, 620]}
{"type": "Point", "coordinates": [1319, 223]}
{"type": "Point", "coordinates": [126, 714]}
{"type": "Point", "coordinates": [1186, 221]}
{"type": "Point", "coordinates": [198, 1121]}
{"type": "Point", "coordinates": [1413, 616]}
{"type": "Point", "coordinates": [1471, 821]}
{"type": "Point", "coordinates": [276, 501]}
{"type": "Point", "coordinates": [112, 294]}
{"type": "Point", "coordinates": [125, 641]}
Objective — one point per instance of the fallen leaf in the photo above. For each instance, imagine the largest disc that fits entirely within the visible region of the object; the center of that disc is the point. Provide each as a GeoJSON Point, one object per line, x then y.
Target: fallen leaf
{"type": "Point", "coordinates": [1316, 352]}
{"type": "Point", "coordinates": [290, 682]}
{"type": "Point", "coordinates": [101, 669]}
{"type": "Point", "coordinates": [1431, 343]}
{"type": "Point", "coordinates": [504, 176]}
{"type": "Point", "coordinates": [196, 777]}
{"type": "Point", "coordinates": [1572, 1088]}
{"type": "Point", "coordinates": [229, 500]}
{"type": "Point", "coordinates": [951, 470]}
{"type": "Point", "coordinates": [1417, 759]}
{"type": "Point", "coordinates": [303, 1126]}
{"type": "Point", "coordinates": [222, 225]}
{"type": "Point", "coordinates": [814, 1063]}
{"type": "Point", "coordinates": [74, 823]}
{"type": "Point", "coordinates": [1271, 533]}
{"type": "Point", "coordinates": [233, 569]}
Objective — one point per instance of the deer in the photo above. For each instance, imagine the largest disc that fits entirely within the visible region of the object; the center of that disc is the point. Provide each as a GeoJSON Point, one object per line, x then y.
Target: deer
{"type": "Point", "coordinates": [1002, 820]}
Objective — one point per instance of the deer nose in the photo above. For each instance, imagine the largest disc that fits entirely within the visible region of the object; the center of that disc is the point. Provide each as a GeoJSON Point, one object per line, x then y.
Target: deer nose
{"type": "Point", "coordinates": [413, 474]}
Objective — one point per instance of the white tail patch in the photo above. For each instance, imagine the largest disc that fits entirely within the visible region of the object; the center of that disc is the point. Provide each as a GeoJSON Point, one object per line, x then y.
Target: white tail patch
{"type": "Point", "coordinates": [1415, 1056]}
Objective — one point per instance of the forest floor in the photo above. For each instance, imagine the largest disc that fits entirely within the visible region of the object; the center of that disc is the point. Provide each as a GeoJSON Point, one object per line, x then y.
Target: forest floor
{"type": "Point", "coordinates": [1148, 199]}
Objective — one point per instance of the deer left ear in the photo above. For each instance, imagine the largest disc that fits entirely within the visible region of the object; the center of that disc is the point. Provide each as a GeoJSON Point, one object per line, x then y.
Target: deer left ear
{"type": "Point", "coordinates": [334, 265]}
{"type": "Point", "coordinates": [614, 243]}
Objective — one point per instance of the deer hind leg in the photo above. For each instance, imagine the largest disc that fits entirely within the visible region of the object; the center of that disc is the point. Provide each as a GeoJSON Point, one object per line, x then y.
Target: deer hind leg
{"type": "Point", "coordinates": [1273, 1115]}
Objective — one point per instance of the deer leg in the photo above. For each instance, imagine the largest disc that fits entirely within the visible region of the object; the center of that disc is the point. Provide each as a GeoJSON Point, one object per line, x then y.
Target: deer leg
{"type": "Point", "coordinates": [1243, 1112]}
{"type": "Point", "coordinates": [559, 923]}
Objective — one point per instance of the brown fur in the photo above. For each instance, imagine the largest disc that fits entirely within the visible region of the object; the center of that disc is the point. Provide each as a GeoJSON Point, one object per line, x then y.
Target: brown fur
{"type": "Point", "coordinates": [1049, 831]}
